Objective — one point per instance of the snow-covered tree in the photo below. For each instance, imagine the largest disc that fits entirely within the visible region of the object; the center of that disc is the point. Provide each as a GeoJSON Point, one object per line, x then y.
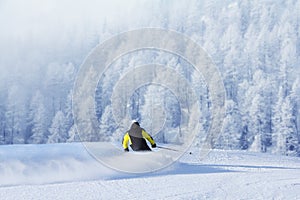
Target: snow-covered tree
{"type": "Point", "coordinates": [295, 99]}
{"type": "Point", "coordinates": [256, 145]}
{"type": "Point", "coordinates": [153, 111]}
{"type": "Point", "coordinates": [86, 119]}
{"type": "Point", "coordinates": [37, 123]}
{"type": "Point", "coordinates": [73, 135]}
{"type": "Point", "coordinates": [257, 123]}
{"type": "Point", "coordinates": [232, 128]}
{"type": "Point", "coordinates": [107, 126]}
{"type": "Point", "coordinates": [15, 116]}
{"type": "Point", "coordinates": [2, 124]}
{"type": "Point", "coordinates": [57, 131]}
{"type": "Point", "coordinates": [68, 112]}
{"type": "Point", "coordinates": [285, 136]}
{"type": "Point", "coordinates": [58, 82]}
{"type": "Point", "coordinates": [288, 129]}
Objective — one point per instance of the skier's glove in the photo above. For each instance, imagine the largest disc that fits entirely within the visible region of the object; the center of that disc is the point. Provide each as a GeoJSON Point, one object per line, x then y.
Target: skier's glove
{"type": "Point", "coordinates": [153, 145]}
{"type": "Point", "coordinates": [126, 150]}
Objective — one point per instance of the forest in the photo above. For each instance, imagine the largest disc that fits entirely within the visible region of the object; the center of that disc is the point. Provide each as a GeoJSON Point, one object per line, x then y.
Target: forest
{"type": "Point", "coordinates": [254, 44]}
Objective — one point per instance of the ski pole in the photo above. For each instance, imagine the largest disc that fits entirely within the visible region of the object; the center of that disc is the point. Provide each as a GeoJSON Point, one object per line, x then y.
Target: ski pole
{"type": "Point", "coordinates": [160, 147]}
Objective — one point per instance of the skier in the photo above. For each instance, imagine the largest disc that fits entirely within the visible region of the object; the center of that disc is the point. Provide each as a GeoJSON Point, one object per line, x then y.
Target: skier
{"type": "Point", "coordinates": [136, 136]}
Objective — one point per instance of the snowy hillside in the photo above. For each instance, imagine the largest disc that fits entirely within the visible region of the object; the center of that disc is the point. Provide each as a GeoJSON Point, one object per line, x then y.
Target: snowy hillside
{"type": "Point", "coordinates": [197, 75]}
{"type": "Point", "coordinates": [67, 171]}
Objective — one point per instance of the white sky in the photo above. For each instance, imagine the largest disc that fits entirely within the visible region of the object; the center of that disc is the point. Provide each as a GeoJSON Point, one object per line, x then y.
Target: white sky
{"type": "Point", "coordinates": [34, 28]}
{"type": "Point", "coordinates": [20, 18]}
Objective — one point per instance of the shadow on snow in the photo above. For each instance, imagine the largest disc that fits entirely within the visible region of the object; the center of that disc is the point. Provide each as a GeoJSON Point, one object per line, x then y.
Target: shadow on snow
{"type": "Point", "coordinates": [180, 168]}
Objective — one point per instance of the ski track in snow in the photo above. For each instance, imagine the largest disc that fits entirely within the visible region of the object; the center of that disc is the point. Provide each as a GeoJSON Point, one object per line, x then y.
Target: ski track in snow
{"type": "Point", "coordinates": [68, 172]}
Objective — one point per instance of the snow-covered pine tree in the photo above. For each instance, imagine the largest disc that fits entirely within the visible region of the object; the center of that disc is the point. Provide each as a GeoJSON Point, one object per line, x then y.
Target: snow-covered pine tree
{"type": "Point", "coordinates": [57, 130]}
{"type": "Point", "coordinates": [15, 116]}
{"type": "Point", "coordinates": [295, 99]}
{"type": "Point", "coordinates": [257, 146]}
{"type": "Point", "coordinates": [256, 123]}
{"type": "Point", "coordinates": [107, 126]}
{"type": "Point", "coordinates": [288, 129]}
{"type": "Point", "coordinates": [285, 120]}
{"type": "Point", "coordinates": [58, 83]}
{"type": "Point", "coordinates": [68, 112]}
{"type": "Point", "coordinates": [86, 119]}
{"type": "Point", "coordinates": [153, 111]}
{"type": "Point", "coordinates": [244, 88]}
{"type": "Point", "coordinates": [277, 137]}
{"type": "Point", "coordinates": [285, 137]}
{"type": "Point", "coordinates": [37, 123]}
{"type": "Point", "coordinates": [73, 135]}
{"type": "Point", "coordinates": [2, 123]}
{"type": "Point", "coordinates": [232, 128]}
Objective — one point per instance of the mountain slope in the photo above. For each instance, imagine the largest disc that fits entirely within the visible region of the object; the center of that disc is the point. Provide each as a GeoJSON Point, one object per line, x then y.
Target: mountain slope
{"type": "Point", "coordinates": [66, 171]}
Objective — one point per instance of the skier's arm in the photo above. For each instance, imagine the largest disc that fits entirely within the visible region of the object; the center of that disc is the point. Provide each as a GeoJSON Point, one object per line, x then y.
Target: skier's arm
{"type": "Point", "coordinates": [149, 138]}
{"type": "Point", "coordinates": [126, 139]}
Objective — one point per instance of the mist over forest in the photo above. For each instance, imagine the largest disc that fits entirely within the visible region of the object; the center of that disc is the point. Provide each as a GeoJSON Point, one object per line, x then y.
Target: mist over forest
{"type": "Point", "coordinates": [254, 44]}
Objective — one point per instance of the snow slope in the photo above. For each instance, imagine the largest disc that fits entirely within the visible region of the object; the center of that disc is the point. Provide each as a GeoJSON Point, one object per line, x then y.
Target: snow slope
{"type": "Point", "coordinates": [113, 156]}
{"type": "Point", "coordinates": [67, 171]}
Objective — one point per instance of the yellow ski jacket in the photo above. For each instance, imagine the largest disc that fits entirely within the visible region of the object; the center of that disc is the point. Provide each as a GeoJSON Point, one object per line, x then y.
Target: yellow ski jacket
{"type": "Point", "coordinates": [135, 137]}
